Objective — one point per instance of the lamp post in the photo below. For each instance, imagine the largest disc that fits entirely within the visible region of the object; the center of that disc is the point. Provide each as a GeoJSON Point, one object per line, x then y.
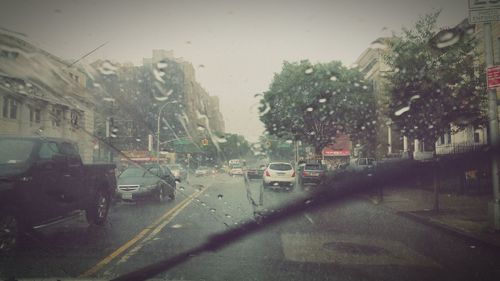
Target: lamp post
{"type": "Point", "coordinates": [158, 131]}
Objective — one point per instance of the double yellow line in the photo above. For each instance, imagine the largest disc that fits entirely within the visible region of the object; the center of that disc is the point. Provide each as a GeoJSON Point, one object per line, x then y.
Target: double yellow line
{"type": "Point", "coordinates": [152, 230]}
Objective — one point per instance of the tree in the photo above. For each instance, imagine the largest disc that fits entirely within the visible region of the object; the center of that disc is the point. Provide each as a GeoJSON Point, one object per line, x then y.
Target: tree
{"type": "Point", "coordinates": [315, 103]}
{"type": "Point", "coordinates": [435, 81]}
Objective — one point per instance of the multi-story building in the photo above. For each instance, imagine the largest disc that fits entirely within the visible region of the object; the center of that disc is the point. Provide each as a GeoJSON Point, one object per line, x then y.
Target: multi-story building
{"type": "Point", "coordinates": [41, 95]}
{"type": "Point", "coordinates": [389, 141]}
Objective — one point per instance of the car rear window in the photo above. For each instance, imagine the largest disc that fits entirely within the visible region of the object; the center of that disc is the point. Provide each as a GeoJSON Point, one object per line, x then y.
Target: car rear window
{"type": "Point", "coordinates": [280, 167]}
{"type": "Point", "coordinates": [313, 167]}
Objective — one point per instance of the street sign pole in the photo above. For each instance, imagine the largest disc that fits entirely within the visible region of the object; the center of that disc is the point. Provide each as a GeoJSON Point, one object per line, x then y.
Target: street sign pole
{"type": "Point", "coordinates": [487, 12]}
{"type": "Point", "coordinates": [493, 129]}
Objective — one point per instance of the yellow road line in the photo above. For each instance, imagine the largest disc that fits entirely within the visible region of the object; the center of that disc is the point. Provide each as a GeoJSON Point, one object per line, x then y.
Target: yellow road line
{"type": "Point", "coordinates": [141, 235]}
{"type": "Point", "coordinates": [157, 230]}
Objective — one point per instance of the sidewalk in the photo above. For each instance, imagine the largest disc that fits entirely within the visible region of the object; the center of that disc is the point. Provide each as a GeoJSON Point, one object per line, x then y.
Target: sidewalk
{"type": "Point", "coordinates": [464, 215]}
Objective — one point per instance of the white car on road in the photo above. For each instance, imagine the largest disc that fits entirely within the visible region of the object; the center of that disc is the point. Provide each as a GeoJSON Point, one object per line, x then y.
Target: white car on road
{"type": "Point", "coordinates": [279, 174]}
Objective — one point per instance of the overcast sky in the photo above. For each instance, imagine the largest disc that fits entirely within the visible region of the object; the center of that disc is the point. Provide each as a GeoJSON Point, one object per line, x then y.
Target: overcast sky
{"type": "Point", "coordinates": [240, 44]}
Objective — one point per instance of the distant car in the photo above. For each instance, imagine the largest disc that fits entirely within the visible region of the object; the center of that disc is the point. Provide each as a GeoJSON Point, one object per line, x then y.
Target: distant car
{"type": "Point", "coordinates": [202, 171]}
{"type": "Point", "coordinates": [255, 173]}
{"type": "Point", "coordinates": [279, 174]}
{"type": "Point", "coordinates": [178, 171]}
{"type": "Point", "coordinates": [361, 164]}
{"type": "Point", "coordinates": [311, 173]}
{"type": "Point", "coordinates": [236, 170]}
{"type": "Point", "coordinates": [151, 181]}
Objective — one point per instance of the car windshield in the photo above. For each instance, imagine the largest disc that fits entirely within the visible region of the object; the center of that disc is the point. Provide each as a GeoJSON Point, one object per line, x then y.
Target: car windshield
{"type": "Point", "coordinates": [14, 151]}
{"type": "Point", "coordinates": [249, 140]}
{"type": "Point", "coordinates": [313, 167]}
{"type": "Point", "coordinates": [132, 172]}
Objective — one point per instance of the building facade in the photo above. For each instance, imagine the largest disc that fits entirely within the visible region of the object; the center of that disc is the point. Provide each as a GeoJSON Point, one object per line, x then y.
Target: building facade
{"type": "Point", "coordinates": [41, 95]}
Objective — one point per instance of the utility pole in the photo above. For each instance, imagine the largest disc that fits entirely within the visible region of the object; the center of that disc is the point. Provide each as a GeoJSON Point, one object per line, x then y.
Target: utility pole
{"type": "Point", "coordinates": [487, 12]}
{"type": "Point", "coordinates": [493, 128]}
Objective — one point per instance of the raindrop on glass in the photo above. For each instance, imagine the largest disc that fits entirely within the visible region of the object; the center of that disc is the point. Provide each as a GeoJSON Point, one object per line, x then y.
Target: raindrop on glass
{"type": "Point", "coordinates": [308, 71]}
{"type": "Point", "coordinates": [212, 210]}
{"type": "Point", "coordinates": [323, 100]}
{"type": "Point", "coordinates": [402, 110]}
{"type": "Point", "coordinates": [220, 196]}
{"type": "Point", "coordinates": [107, 68]}
{"type": "Point", "coordinates": [446, 38]}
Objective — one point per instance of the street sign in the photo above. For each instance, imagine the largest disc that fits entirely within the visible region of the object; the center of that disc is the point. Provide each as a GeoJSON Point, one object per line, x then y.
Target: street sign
{"type": "Point", "coordinates": [493, 77]}
{"type": "Point", "coordinates": [484, 11]}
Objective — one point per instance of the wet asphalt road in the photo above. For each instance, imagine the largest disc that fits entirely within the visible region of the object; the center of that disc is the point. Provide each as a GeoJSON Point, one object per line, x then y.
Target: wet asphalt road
{"type": "Point", "coordinates": [355, 240]}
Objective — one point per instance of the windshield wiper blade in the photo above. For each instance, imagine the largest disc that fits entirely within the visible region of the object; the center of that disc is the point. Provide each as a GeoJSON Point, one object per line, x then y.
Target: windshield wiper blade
{"type": "Point", "coordinates": [335, 189]}
{"type": "Point", "coordinates": [326, 195]}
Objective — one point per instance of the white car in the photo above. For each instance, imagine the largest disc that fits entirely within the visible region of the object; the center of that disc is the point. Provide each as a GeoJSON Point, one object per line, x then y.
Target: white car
{"type": "Point", "coordinates": [236, 171]}
{"type": "Point", "coordinates": [279, 174]}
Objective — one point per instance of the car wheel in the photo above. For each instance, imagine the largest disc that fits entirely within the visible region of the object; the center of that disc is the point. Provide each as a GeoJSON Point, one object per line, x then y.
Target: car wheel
{"type": "Point", "coordinates": [10, 231]}
{"type": "Point", "coordinates": [171, 196]}
{"type": "Point", "coordinates": [97, 212]}
{"type": "Point", "coordinates": [160, 195]}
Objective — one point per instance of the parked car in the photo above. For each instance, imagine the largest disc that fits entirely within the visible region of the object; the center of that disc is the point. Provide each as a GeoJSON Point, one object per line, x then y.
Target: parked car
{"type": "Point", "coordinates": [150, 181]}
{"type": "Point", "coordinates": [311, 173]}
{"type": "Point", "coordinates": [279, 174]}
{"type": "Point", "coordinates": [236, 170]}
{"type": "Point", "coordinates": [202, 171]}
{"type": "Point", "coordinates": [361, 164]}
{"type": "Point", "coordinates": [43, 180]}
{"type": "Point", "coordinates": [255, 172]}
{"type": "Point", "coordinates": [178, 171]}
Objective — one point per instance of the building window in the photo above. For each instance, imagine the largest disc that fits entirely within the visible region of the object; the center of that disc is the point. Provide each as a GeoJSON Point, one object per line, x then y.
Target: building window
{"type": "Point", "coordinates": [34, 115]}
{"type": "Point", "coordinates": [5, 111]}
{"type": "Point", "coordinates": [74, 118]}
{"type": "Point", "coordinates": [477, 137]}
{"type": "Point", "coordinates": [441, 140]}
{"type": "Point", "coordinates": [57, 117]}
{"type": "Point", "coordinates": [9, 109]}
{"type": "Point", "coordinates": [8, 54]}
{"type": "Point", "coordinates": [38, 118]}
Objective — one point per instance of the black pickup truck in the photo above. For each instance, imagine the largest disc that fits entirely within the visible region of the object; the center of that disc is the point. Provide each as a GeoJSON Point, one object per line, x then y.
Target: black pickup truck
{"type": "Point", "coordinates": [43, 180]}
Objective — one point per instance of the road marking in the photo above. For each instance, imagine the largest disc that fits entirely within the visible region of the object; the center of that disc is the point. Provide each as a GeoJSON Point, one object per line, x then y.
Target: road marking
{"type": "Point", "coordinates": [155, 228]}
{"type": "Point", "coordinates": [155, 231]}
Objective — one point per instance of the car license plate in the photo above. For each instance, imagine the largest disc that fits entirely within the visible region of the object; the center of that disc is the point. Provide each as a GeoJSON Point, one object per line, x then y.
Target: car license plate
{"type": "Point", "coordinates": [127, 196]}
{"type": "Point", "coordinates": [281, 174]}
{"type": "Point", "coordinates": [314, 174]}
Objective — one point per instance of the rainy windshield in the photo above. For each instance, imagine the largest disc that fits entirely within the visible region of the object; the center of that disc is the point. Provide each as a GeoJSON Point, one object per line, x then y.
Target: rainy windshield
{"type": "Point", "coordinates": [273, 140]}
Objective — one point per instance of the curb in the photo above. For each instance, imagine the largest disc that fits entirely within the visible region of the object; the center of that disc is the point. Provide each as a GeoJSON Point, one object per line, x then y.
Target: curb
{"type": "Point", "coordinates": [468, 236]}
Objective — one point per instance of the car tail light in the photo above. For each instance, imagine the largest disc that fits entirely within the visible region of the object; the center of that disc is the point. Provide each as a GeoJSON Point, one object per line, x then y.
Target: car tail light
{"type": "Point", "coordinates": [293, 174]}
{"type": "Point", "coordinates": [267, 173]}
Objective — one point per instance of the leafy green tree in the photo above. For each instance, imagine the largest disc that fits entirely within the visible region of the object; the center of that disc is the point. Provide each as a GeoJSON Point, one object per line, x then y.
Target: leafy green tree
{"type": "Point", "coordinates": [436, 80]}
{"type": "Point", "coordinates": [315, 103]}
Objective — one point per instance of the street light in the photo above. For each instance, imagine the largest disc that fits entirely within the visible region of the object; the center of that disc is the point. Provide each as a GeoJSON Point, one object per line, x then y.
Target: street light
{"type": "Point", "coordinates": [158, 131]}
